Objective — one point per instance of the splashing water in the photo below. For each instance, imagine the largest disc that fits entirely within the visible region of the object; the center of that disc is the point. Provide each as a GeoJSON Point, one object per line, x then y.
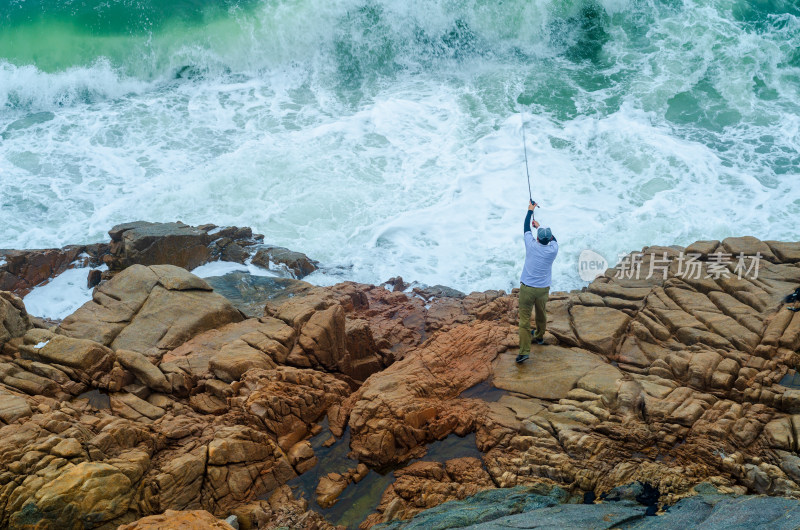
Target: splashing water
{"type": "Point", "coordinates": [383, 138]}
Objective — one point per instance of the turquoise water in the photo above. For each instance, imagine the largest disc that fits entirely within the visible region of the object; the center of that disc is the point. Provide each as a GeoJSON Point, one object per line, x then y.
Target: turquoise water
{"type": "Point", "coordinates": [384, 138]}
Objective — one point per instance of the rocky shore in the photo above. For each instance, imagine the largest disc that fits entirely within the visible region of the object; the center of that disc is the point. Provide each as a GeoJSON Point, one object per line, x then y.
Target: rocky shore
{"type": "Point", "coordinates": [171, 399]}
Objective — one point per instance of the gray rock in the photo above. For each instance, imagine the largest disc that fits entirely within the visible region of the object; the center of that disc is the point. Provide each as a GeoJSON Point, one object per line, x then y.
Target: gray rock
{"type": "Point", "coordinates": [594, 516]}
{"type": "Point", "coordinates": [522, 507]}
{"type": "Point", "coordinates": [146, 243]}
{"type": "Point", "coordinates": [485, 506]}
{"type": "Point", "coordinates": [438, 291]}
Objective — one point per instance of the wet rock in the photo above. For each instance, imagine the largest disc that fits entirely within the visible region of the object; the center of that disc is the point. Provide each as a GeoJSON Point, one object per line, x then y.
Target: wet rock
{"type": "Point", "coordinates": [483, 507]}
{"type": "Point", "coordinates": [177, 244]}
{"type": "Point", "coordinates": [146, 243]}
{"type": "Point", "coordinates": [250, 294]}
{"type": "Point", "coordinates": [413, 401]}
{"type": "Point", "coordinates": [301, 456]}
{"type": "Point", "coordinates": [297, 263]}
{"type": "Point", "coordinates": [424, 485]}
{"type": "Point", "coordinates": [94, 277]}
{"type": "Point", "coordinates": [22, 270]}
{"type": "Point", "coordinates": [280, 510]}
{"type": "Point", "coordinates": [331, 486]}
{"type": "Point", "coordinates": [438, 291]}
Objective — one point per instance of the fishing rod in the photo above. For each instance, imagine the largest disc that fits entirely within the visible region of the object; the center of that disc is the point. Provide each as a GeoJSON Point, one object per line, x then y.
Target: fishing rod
{"type": "Point", "coordinates": [525, 149]}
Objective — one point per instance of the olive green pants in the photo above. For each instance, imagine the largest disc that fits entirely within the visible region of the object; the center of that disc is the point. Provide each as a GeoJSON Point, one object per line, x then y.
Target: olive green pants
{"type": "Point", "coordinates": [530, 297]}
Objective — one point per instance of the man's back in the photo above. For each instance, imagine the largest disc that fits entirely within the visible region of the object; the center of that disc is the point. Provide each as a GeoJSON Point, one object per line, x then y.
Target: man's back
{"type": "Point", "coordinates": [538, 268]}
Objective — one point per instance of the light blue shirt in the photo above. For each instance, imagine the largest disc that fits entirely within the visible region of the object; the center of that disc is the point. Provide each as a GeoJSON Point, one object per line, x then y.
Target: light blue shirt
{"type": "Point", "coordinates": [538, 268]}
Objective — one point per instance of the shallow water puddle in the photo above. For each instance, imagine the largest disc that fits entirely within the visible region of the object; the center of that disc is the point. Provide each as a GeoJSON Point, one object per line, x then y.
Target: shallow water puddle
{"type": "Point", "coordinates": [97, 399]}
{"type": "Point", "coordinates": [791, 379]}
{"type": "Point", "coordinates": [361, 499]}
{"type": "Point", "coordinates": [485, 391]}
{"type": "Point", "coordinates": [249, 293]}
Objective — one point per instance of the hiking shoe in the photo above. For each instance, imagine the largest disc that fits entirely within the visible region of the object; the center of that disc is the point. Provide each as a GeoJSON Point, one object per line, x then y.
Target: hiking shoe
{"type": "Point", "coordinates": [521, 358]}
{"type": "Point", "coordinates": [538, 341]}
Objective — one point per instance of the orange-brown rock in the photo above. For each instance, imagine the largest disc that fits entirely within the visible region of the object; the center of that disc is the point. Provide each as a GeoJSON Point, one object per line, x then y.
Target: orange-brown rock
{"type": "Point", "coordinates": [423, 485]}
{"type": "Point", "coordinates": [286, 401]}
{"type": "Point", "coordinates": [333, 484]}
{"type": "Point", "coordinates": [22, 270]}
{"type": "Point", "coordinates": [670, 381]}
{"type": "Point", "coordinates": [415, 401]}
{"type": "Point", "coordinates": [183, 520]}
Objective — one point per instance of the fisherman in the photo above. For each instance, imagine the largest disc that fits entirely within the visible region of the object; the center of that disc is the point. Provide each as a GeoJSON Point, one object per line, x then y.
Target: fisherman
{"type": "Point", "coordinates": [535, 282]}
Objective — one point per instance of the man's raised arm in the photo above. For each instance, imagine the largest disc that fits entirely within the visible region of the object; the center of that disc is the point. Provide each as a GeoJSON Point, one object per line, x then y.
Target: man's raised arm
{"type": "Point", "coordinates": [527, 228]}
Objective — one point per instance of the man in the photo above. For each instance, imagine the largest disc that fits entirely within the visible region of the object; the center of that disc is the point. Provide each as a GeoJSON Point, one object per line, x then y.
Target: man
{"type": "Point", "coordinates": [535, 282]}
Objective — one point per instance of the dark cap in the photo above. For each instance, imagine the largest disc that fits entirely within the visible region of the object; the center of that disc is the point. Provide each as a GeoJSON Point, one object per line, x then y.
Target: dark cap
{"type": "Point", "coordinates": [544, 235]}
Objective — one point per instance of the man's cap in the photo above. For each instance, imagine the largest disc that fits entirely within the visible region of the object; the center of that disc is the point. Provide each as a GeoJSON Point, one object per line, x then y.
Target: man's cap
{"type": "Point", "coordinates": [544, 235]}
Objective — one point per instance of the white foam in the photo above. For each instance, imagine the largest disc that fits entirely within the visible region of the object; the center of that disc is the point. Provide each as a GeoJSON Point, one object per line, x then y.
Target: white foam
{"type": "Point", "coordinates": [61, 296]}
{"type": "Point", "coordinates": [40, 345]}
{"type": "Point", "coordinates": [221, 268]}
{"type": "Point", "coordinates": [423, 175]}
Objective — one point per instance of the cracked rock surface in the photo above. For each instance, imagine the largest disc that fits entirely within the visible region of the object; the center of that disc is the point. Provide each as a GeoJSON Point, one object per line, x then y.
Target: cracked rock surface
{"type": "Point", "coordinates": [159, 401]}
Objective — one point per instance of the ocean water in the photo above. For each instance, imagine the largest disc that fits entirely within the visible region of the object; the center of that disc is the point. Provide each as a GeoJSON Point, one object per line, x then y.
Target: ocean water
{"type": "Point", "coordinates": [383, 138]}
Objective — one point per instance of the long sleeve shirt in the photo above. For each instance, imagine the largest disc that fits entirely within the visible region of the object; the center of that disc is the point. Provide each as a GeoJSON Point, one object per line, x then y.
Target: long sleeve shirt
{"type": "Point", "coordinates": [538, 268]}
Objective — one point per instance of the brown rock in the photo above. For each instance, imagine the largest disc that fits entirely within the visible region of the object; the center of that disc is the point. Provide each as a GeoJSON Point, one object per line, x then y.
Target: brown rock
{"type": "Point", "coordinates": [423, 485]}
{"type": "Point", "coordinates": [25, 269]}
{"type": "Point", "coordinates": [14, 321]}
{"type": "Point", "coordinates": [242, 464]}
{"type": "Point", "coordinates": [13, 408]}
{"type": "Point", "coordinates": [187, 520]}
{"type": "Point", "coordinates": [421, 389]}
{"type": "Point", "coordinates": [146, 243]}
{"type": "Point", "coordinates": [252, 337]}
{"type": "Point", "coordinates": [330, 487]}
{"type": "Point", "coordinates": [83, 495]}
{"type": "Point", "coordinates": [599, 328]}
{"type": "Point", "coordinates": [296, 262]}
{"type": "Point", "coordinates": [301, 456]}
{"type": "Point", "coordinates": [287, 401]}
{"type": "Point", "coordinates": [149, 310]}
{"type": "Point", "coordinates": [552, 374]}
{"type": "Point", "coordinates": [144, 370]}
{"type": "Point", "coordinates": [90, 362]}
